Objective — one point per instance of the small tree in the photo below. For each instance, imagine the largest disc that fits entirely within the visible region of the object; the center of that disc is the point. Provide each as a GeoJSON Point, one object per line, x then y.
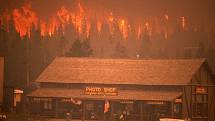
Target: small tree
{"type": "Point", "coordinates": [120, 51]}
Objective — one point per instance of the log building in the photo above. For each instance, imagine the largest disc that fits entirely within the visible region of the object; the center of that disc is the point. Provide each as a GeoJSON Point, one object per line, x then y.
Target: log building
{"type": "Point", "coordinates": [98, 89]}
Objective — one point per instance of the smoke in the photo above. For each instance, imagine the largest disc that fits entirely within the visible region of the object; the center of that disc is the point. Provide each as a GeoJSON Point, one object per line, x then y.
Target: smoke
{"type": "Point", "coordinates": [111, 21]}
{"type": "Point", "coordinates": [137, 8]}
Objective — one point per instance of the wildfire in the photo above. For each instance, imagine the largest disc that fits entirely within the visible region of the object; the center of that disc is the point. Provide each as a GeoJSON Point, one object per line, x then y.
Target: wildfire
{"type": "Point", "coordinates": [99, 26]}
{"type": "Point", "coordinates": [111, 23]}
{"type": "Point", "coordinates": [64, 15]}
{"type": "Point", "coordinates": [53, 26]}
{"type": "Point", "coordinates": [43, 28]}
{"type": "Point", "coordinates": [183, 22]}
{"type": "Point", "coordinates": [25, 18]}
{"type": "Point", "coordinates": [88, 26]}
{"type": "Point", "coordinates": [123, 28]}
{"type": "Point", "coordinates": [166, 33]}
{"type": "Point", "coordinates": [148, 29]}
{"type": "Point", "coordinates": [139, 32]}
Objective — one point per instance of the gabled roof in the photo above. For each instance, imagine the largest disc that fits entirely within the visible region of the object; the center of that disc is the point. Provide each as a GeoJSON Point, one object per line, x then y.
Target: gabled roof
{"type": "Point", "coordinates": [121, 71]}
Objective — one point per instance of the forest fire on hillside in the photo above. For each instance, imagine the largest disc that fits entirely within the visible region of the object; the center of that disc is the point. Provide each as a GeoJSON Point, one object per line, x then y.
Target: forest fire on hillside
{"type": "Point", "coordinates": [85, 21]}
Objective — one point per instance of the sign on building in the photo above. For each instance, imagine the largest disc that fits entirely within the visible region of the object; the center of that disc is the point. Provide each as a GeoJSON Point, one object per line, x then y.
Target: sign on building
{"type": "Point", "coordinates": [100, 91]}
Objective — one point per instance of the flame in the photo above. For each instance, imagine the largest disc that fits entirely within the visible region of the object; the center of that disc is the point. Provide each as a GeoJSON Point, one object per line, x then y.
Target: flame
{"type": "Point", "coordinates": [123, 28]}
{"type": "Point", "coordinates": [24, 19]}
{"type": "Point", "coordinates": [43, 28]}
{"type": "Point", "coordinates": [82, 21]}
{"type": "Point", "coordinates": [139, 32]}
{"type": "Point", "coordinates": [183, 22]}
{"type": "Point", "coordinates": [99, 26]}
{"type": "Point", "coordinates": [110, 22]}
{"type": "Point", "coordinates": [110, 18]}
{"type": "Point", "coordinates": [81, 9]}
{"type": "Point", "coordinates": [88, 26]}
{"type": "Point", "coordinates": [148, 29]}
{"type": "Point", "coordinates": [64, 15]}
{"type": "Point", "coordinates": [166, 34]}
{"type": "Point", "coordinates": [78, 24]}
{"type": "Point", "coordinates": [53, 26]}
{"type": "Point", "coordinates": [147, 26]}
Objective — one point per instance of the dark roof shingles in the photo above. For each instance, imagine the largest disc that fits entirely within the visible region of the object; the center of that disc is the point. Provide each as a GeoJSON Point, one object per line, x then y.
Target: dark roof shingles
{"type": "Point", "coordinates": [121, 71]}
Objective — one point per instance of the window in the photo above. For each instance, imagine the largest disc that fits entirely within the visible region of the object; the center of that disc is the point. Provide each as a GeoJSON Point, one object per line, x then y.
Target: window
{"type": "Point", "coordinates": [200, 102]}
{"type": "Point", "coordinates": [177, 108]}
{"type": "Point", "coordinates": [47, 105]}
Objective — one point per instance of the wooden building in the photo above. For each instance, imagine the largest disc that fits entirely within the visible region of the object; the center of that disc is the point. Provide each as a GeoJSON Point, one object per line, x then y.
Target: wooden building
{"type": "Point", "coordinates": [142, 90]}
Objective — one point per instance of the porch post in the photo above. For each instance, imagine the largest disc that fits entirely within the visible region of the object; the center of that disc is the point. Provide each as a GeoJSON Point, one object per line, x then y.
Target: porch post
{"type": "Point", "coordinates": [56, 107]}
{"type": "Point", "coordinates": [111, 107]}
{"type": "Point", "coordinates": [103, 111]}
{"type": "Point", "coordinates": [83, 110]}
{"type": "Point", "coordinates": [141, 110]}
{"type": "Point", "coordinates": [172, 109]}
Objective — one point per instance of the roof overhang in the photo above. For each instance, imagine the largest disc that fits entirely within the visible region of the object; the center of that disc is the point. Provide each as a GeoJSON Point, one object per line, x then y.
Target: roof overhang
{"type": "Point", "coordinates": [154, 95]}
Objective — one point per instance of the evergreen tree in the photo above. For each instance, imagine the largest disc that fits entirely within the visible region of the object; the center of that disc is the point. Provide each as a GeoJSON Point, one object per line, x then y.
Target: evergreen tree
{"type": "Point", "coordinates": [145, 47]}
{"type": "Point", "coordinates": [120, 51]}
{"type": "Point", "coordinates": [80, 49]}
